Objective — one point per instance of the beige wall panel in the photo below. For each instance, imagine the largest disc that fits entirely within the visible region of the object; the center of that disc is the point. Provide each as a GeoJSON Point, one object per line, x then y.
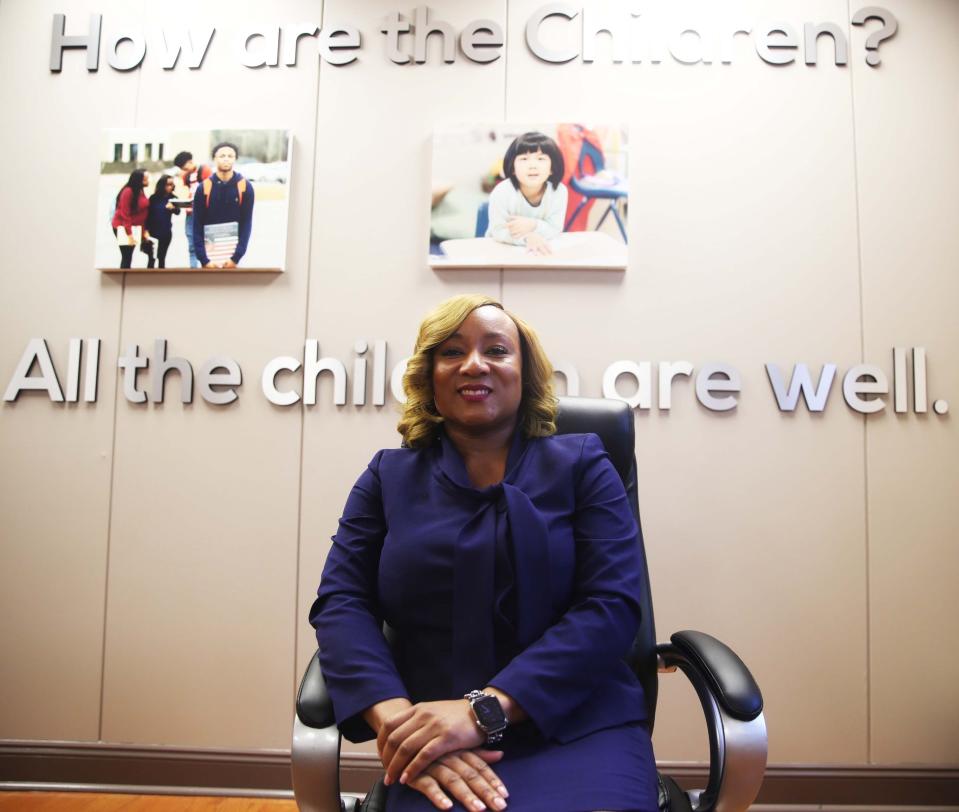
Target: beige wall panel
{"type": "Point", "coordinates": [907, 128]}
{"type": "Point", "coordinates": [200, 626]}
{"type": "Point", "coordinates": [370, 279]}
{"type": "Point", "coordinates": [743, 249]}
{"type": "Point", "coordinates": [158, 548]}
{"type": "Point", "coordinates": [54, 458]}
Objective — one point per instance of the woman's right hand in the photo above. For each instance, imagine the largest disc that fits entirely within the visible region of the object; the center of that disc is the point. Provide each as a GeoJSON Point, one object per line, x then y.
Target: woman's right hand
{"type": "Point", "coordinates": [466, 776]}
{"type": "Point", "coordinates": [376, 715]}
{"type": "Point", "coordinates": [462, 774]}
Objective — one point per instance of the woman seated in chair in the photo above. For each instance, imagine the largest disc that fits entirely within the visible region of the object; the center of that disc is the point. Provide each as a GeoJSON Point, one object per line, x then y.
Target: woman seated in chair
{"type": "Point", "coordinates": [505, 560]}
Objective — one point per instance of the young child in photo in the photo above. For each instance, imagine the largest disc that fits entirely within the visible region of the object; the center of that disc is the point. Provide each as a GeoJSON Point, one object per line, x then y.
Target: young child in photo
{"type": "Point", "coordinates": [529, 206]}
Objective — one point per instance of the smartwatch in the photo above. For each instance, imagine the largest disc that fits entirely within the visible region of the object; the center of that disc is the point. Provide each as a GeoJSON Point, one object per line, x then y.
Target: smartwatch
{"type": "Point", "coordinates": [489, 715]}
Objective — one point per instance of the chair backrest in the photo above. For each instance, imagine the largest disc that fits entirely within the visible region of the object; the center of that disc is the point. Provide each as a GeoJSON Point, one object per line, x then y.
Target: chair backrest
{"type": "Point", "coordinates": [589, 152]}
{"type": "Point", "coordinates": [612, 422]}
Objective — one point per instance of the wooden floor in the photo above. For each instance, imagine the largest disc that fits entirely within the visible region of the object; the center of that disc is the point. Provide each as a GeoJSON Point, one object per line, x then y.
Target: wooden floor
{"type": "Point", "coordinates": [94, 802]}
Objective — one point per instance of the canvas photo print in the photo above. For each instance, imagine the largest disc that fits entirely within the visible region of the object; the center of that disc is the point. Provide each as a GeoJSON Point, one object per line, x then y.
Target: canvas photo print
{"type": "Point", "coordinates": [193, 199]}
{"type": "Point", "coordinates": [529, 195]}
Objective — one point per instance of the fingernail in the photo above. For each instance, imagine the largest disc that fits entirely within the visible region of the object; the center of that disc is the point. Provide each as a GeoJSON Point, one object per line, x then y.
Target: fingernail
{"type": "Point", "coordinates": [387, 780]}
{"type": "Point", "coordinates": [478, 805]}
{"type": "Point", "coordinates": [403, 778]}
{"type": "Point", "coordinates": [503, 791]}
{"type": "Point", "coordinates": [446, 803]}
{"type": "Point", "coordinates": [499, 803]}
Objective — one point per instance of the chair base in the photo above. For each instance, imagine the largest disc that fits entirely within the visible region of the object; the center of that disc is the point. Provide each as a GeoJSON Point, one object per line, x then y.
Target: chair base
{"type": "Point", "coordinates": [671, 796]}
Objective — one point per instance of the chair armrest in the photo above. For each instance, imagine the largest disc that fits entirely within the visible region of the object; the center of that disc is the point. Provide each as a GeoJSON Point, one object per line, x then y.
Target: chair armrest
{"type": "Point", "coordinates": [313, 703]}
{"type": "Point", "coordinates": [315, 755]}
{"type": "Point", "coordinates": [733, 706]}
{"type": "Point", "coordinates": [729, 679]}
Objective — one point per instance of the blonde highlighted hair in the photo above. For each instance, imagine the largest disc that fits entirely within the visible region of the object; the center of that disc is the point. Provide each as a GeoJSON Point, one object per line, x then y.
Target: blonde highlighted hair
{"type": "Point", "coordinates": [420, 421]}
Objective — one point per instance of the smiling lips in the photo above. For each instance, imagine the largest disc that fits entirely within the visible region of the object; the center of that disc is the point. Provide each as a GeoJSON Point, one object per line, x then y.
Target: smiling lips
{"type": "Point", "coordinates": [474, 393]}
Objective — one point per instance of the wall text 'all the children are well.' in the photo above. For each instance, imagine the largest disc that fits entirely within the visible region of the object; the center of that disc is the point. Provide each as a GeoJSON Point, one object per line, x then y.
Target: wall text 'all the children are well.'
{"type": "Point", "coordinates": [287, 380]}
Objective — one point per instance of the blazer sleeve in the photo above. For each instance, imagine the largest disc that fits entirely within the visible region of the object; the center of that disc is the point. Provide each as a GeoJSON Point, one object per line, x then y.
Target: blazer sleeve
{"type": "Point", "coordinates": [560, 670]}
{"type": "Point", "coordinates": [356, 660]}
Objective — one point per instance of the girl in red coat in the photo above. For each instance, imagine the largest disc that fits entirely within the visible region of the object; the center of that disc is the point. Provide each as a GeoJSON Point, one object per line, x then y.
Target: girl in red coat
{"type": "Point", "coordinates": [131, 210]}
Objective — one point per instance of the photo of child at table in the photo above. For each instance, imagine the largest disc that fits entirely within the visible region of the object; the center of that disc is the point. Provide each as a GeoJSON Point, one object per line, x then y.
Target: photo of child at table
{"type": "Point", "coordinates": [528, 207]}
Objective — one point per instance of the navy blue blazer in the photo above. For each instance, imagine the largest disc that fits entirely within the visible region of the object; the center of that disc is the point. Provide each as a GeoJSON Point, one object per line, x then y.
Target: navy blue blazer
{"type": "Point", "coordinates": [530, 585]}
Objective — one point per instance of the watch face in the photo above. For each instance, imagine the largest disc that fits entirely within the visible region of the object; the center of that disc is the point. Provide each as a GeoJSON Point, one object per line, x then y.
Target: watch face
{"type": "Point", "coordinates": [489, 713]}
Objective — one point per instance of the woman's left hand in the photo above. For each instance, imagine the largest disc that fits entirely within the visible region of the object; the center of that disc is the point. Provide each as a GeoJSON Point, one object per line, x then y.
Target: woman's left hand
{"type": "Point", "coordinates": [412, 740]}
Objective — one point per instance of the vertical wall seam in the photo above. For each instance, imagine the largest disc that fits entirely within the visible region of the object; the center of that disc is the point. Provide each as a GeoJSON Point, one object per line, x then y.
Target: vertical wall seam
{"type": "Point", "coordinates": [113, 464]}
{"type": "Point", "coordinates": [505, 56]}
{"type": "Point", "coordinates": [865, 422]}
{"type": "Point", "coordinates": [110, 490]}
{"type": "Point", "coordinates": [306, 331]}
{"type": "Point", "coordinates": [502, 271]}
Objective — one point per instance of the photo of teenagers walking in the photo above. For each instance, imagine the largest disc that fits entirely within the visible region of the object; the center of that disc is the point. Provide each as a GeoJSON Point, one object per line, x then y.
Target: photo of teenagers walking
{"type": "Point", "coordinates": [203, 200]}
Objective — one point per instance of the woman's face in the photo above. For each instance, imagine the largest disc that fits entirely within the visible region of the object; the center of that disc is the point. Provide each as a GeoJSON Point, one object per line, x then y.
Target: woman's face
{"type": "Point", "coordinates": [478, 373]}
{"type": "Point", "coordinates": [146, 178]}
{"type": "Point", "coordinates": [532, 169]}
{"type": "Point", "coordinates": [170, 186]}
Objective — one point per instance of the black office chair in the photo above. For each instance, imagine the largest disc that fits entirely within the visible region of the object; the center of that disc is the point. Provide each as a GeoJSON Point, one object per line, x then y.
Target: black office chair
{"type": "Point", "coordinates": [729, 695]}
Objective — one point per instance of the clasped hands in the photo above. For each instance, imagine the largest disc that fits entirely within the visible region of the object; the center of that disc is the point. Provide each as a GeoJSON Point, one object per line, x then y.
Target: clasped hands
{"type": "Point", "coordinates": [435, 748]}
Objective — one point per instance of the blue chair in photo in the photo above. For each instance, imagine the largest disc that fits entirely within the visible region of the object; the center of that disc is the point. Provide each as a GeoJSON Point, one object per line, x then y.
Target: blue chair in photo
{"type": "Point", "coordinates": [482, 219]}
{"type": "Point", "coordinates": [598, 185]}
